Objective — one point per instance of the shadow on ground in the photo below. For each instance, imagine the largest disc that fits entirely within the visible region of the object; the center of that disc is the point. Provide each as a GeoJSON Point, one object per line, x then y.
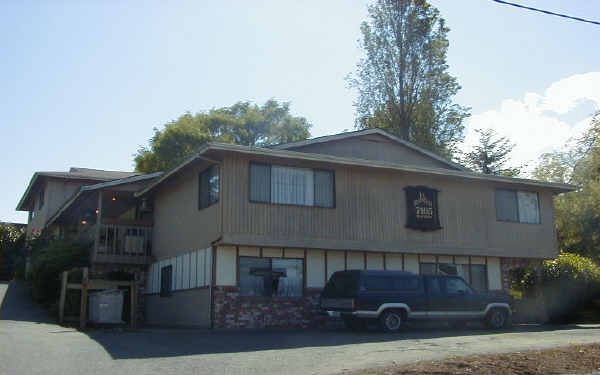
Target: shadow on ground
{"type": "Point", "coordinates": [17, 305]}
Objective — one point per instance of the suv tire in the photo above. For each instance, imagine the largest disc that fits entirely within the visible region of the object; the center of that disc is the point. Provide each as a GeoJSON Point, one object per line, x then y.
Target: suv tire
{"type": "Point", "coordinates": [497, 319]}
{"type": "Point", "coordinates": [391, 321]}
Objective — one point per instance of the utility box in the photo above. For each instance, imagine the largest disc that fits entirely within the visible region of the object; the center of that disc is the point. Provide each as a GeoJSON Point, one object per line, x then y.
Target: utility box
{"type": "Point", "coordinates": [106, 306]}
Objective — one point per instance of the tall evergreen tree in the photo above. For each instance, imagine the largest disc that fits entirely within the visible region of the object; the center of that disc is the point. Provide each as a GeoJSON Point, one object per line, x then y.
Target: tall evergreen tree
{"type": "Point", "coordinates": [490, 155]}
{"type": "Point", "coordinates": [402, 81]}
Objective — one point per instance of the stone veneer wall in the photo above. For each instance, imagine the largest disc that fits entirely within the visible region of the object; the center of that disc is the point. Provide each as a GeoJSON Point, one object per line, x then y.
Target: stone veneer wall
{"type": "Point", "coordinates": [234, 311]}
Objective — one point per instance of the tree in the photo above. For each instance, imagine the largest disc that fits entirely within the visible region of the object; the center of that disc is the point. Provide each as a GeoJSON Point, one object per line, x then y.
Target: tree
{"type": "Point", "coordinates": [490, 155]}
{"type": "Point", "coordinates": [12, 256]}
{"type": "Point", "coordinates": [242, 123]}
{"type": "Point", "coordinates": [403, 82]}
{"type": "Point", "coordinates": [577, 213]}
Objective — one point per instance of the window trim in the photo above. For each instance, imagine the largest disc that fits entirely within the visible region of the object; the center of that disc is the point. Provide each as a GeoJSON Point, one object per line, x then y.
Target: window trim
{"type": "Point", "coordinates": [290, 204]}
{"type": "Point", "coordinates": [518, 221]}
{"type": "Point", "coordinates": [207, 170]}
{"type": "Point", "coordinates": [271, 297]}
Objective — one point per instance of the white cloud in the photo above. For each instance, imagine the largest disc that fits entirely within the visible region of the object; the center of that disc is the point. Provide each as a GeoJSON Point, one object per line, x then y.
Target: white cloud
{"type": "Point", "coordinates": [540, 122]}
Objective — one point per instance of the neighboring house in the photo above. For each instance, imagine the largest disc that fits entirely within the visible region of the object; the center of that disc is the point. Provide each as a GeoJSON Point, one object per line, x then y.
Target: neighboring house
{"type": "Point", "coordinates": [239, 236]}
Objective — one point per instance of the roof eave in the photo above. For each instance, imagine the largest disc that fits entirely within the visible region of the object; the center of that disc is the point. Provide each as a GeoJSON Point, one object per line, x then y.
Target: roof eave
{"type": "Point", "coordinates": [555, 187]}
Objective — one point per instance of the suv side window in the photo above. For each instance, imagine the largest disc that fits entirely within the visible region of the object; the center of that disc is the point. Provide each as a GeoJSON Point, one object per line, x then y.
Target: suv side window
{"type": "Point", "coordinates": [457, 286]}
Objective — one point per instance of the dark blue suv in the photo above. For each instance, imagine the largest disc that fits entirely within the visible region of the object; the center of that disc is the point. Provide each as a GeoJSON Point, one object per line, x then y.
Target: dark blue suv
{"type": "Point", "coordinates": [393, 297]}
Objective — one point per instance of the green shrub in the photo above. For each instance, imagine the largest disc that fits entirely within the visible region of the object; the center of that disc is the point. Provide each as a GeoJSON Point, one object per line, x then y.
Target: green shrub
{"type": "Point", "coordinates": [523, 281]}
{"type": "Point", "coordinates": [49, 260]}
{"type": "Point", "coordinates": [569, 282]}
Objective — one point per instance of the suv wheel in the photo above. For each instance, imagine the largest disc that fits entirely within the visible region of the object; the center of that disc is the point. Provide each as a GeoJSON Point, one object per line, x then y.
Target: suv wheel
{"type": "Point", "coordinates": [391, 320]}
{"type": "Point", "coordinates": [497, 319]}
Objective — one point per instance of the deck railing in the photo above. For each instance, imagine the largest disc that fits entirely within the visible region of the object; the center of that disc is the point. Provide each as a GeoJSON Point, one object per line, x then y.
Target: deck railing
{"type": "Point", "coordinates": [124, 243]}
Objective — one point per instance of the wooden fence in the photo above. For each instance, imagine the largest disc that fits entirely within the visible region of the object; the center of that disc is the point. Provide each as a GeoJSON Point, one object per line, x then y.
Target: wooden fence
{"type": "Point", "coordinates": [93, 284]}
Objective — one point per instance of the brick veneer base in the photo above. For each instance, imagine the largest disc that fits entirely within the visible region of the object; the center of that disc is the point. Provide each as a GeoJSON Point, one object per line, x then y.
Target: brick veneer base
{"type": "Point", "coordinates": [234, 311]}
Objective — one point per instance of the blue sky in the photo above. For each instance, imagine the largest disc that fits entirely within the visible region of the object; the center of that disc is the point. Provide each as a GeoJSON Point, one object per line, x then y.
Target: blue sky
{"type": "Point", "coordinates": [83, 83]}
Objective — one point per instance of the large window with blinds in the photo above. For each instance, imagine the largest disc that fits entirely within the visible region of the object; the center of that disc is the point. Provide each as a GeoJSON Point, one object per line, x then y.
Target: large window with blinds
{"type": "Point", "coordinates": [292, 185]}
{"type": "Point", "coordinates": [517, 206]}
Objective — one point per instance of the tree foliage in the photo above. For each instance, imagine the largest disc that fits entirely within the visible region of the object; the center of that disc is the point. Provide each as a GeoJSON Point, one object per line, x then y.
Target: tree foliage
{"type": "Point", "coordinates": [243, 123]}
{"type": "Point", "coordinates": [12, 257]}
{"type": "Point", "coordinates": [490, 155]}
{"type": "Point", "coordinates": [402, 81]}
{"type": "Point", "coordinates": [577, 213]}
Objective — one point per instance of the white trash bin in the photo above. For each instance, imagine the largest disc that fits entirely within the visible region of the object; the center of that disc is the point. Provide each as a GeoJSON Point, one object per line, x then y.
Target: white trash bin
{"type": "Point", "coordinates": [106, 306]}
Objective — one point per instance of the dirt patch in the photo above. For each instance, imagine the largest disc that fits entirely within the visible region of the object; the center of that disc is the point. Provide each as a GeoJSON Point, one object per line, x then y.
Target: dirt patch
{"type": "Point", "coordinates": [567, 360]}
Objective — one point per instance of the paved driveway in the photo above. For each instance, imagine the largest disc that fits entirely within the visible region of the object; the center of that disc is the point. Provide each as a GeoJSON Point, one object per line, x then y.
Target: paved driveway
{"type": "Point", "coordinates": [32, 344]}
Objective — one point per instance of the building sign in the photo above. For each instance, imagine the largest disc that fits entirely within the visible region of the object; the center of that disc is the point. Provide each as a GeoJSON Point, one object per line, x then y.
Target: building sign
{"type": "Point", "coordinates": [422, 208]}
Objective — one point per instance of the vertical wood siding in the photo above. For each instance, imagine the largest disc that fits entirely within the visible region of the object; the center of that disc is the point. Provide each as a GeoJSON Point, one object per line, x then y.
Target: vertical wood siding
{"type": "Point", "coordinates": [370, 214]}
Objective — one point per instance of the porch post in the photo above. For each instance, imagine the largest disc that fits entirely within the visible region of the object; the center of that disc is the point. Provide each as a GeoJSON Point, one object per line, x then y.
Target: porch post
{"type": "Point", "coordinates": [98, 223]}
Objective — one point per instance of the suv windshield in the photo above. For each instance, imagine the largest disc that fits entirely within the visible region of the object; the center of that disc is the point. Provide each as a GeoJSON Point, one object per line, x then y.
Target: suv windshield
{"type": "Point", "coordinates": [342, 284]}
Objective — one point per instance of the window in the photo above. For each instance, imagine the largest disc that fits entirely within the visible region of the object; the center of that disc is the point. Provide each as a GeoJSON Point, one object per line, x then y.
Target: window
{"type": "Point", "coordinates": [209, 187]}
{"type": "Point", "coordinates": [474, 274]}
{"type": "Point", "coordinates": [291, 185]}
{"type": "Point", "coordinates": [479, 277]}
{"type": "Point", "coordinates": [457, 286]}
{"type": "Point", "coordinates": [427, 269]}
{"type": "Point", "coordinates": [269, 277]}
{"type": "Point", "coordinates": [41, 200]}
{"type": "Point", "coordinates": [517, 206]}
{"type": "Point", "coordinates": [166, 281]}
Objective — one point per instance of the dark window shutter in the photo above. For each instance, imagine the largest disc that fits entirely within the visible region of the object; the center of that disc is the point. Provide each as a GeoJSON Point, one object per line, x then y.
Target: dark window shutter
{"type": "Point", "coordinates": [260, 182]}
{"type": "Point", "coordinates": [324, 188]}
{"type": "Point", "coordinates": [166, 280]}
{"type": "Point", "coordinates": [507, 205]}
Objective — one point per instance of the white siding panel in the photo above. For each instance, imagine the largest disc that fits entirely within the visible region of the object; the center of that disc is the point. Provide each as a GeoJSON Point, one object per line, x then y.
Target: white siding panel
{"type": "Point", "coordinates": [293, 253]}
{"type": "Point", "coordinates": [272, 252]}
{"type": "Point", "coordinates": [199, 270]}
{"type": "Point", "coordinates": [208, 266]}
{"type": "Point", "coordinates": [356, 260]}
{"type": "Point", "coordinates": [494, 274]}
{"type": "Point", "coordinates": [411, 263]}
{"type": "Point", "coordinates": [374, 261]}
{"type": "Point", "coordinates": [246, 251]}
{"type": "Point", "coordinates": [315, 268]}
{"type": "Point", "coordinates": [477, 260]}
{"type": "Point", "coordinates": [427, 259]}
{"type": "Point", "coordinates": [193, 268]}
{"type": "Point", "coordinates": [445, 259]}
{"type": "Point", "coordinates": [335, 262]}
{"type": "Point", "coordinates": [173, 263]}
{"type": "Point", "coordinates": [393, 262]}
{"type": "Point", "coordinates": [226, 263]}
{"type": "Point", "coordinates": [187, 274]}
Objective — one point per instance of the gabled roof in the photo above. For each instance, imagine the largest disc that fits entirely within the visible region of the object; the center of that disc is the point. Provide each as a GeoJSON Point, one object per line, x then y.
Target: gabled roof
{"type": "Point", "coordinates": [74, 173]}
{"type": "Point", "coordinates": [360, 133]}
{"type": "Point", "coordinates": [269, 152]}
{"type": "Point", "coordinates": [84, 189]}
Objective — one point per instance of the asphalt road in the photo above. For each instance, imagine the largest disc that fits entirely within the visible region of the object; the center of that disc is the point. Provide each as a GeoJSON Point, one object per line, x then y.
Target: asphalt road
{"type": "Point", "coordinates": [31, 344]}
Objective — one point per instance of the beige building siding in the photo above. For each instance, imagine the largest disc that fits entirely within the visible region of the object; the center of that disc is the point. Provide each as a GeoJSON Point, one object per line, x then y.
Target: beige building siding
{"type": "Point", "coordinates": [370, 213]}
{"type": "Point", "coordinates": [372, 147]}
{"type": "Point", "coordinates": [321, 264]}
{"type": "Point", "coordinates": [56, 193]}
{"type": "Point", "coordinates": [179, 226]}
